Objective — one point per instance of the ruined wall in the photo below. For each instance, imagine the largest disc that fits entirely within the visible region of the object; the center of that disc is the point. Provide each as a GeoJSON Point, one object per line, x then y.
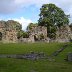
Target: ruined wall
{"type": "Point", "coordinates": [8, 31]}
{"type": "Point", "coordinates": [36, 34]}
{"type": "Point", "coordinates": [11, 36]}
{"type": "Point", "coordinates": [63, 34]}
{"type": "Point", "coordinates": [2, 30]}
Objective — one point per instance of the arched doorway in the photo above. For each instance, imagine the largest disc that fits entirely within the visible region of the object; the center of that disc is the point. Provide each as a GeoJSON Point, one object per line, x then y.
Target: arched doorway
{"type": "Point", "coordinates": [35, 38]}
{"type": "Point", "coordinates": [0, 36]}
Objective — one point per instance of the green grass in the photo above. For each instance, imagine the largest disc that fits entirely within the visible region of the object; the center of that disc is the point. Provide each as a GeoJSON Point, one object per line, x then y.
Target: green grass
{"type": "Point", "coordinates": [22, 65]}
{"type": "Point", "coordinates": [26, 48]}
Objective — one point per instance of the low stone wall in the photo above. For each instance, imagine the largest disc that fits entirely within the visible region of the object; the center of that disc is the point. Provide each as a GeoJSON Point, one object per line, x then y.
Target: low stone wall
{"type": "Point", "coordinates": [69, 57]}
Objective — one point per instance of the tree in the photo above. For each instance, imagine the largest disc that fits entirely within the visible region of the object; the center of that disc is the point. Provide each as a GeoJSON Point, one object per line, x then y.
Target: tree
{"type": "Point", "coordinates": [25, 35]}
{"type": "Point", "coordinates": [31, 25]}
{"type": "Point", "coordinates": [22, 34]}
{"type": "Point", "coordinates": [52, 16]}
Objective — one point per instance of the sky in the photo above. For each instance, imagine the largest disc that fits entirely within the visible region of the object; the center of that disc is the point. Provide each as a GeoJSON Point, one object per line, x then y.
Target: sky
{"type": "Point", "coordinates": [27, 11]}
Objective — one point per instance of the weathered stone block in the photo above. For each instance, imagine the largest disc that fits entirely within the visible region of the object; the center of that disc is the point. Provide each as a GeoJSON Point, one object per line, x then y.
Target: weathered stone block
{"type": "Point", "coordinates": [69, 57]}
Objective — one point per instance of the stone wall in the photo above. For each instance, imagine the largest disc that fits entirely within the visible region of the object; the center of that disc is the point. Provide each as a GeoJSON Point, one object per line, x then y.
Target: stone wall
{"type": "Point", "coordinates": [11, 36]}
{"type": "Point", "coordinates": [8, 31]}
{"type": "Point", "coordinates": [38, 33]}
{"type": "Point", "coordinates": [63, 34]}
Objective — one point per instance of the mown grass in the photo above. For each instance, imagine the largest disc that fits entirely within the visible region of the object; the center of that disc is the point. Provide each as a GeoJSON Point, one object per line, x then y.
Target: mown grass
{"type": "Point", "coordinates": [26, 48]}
{"type": "Point", "coordinates": [22, 65]}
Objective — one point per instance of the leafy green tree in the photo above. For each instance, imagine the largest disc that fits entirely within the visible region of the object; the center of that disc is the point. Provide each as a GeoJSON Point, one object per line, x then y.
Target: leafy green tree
{"type": "Point", "coordinates": [31, 25]}
{"type": "Point", "coordinates": [25, 35]}
{"type": "Point", "coordinates": [22, 34]}
{"type": "Point", "coordinates": [19, 34]}
{"type": "Point", "coordinates": [52, 16]}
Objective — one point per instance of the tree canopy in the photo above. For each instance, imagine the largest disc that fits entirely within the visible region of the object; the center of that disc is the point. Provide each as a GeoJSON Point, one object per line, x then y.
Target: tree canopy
{"type": "Point", "coordinates": [52, 16]}
{"type": "Point", "coordinates": [29, 27]}
{"type": "Point", "coordinates": [22, 34]}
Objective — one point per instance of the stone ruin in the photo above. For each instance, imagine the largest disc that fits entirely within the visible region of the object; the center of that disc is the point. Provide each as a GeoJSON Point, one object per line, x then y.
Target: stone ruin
{"type": "Point", "coordinates": [39, 55]}
{"type": "Point", "coordinates": [37, 34]}
{"type": "Point", "coordinates": [31, 56]}
{"type": "Point", "coordinates": [8, 32]}
{"type": "Point", "coordinates": [10, 28]}
{"type": "Point", "coordinates": [64, 34]}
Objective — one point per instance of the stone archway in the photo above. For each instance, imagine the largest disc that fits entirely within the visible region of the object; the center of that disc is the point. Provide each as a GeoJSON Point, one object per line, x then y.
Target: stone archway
{"type": "Point", "coordinates": [35, 38]}
{"type": "Point", "coordinates": [0, 36]}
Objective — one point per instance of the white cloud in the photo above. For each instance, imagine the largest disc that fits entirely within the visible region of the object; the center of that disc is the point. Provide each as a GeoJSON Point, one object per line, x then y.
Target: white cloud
{"type": "Point", "coordinates": [30, 2]}
{"type": "Point", "coordinates": [66, 5]}
{"type": "Point", "coordinates": [24, 22]}
{"type": "Point", "coordinates": [10, 6]}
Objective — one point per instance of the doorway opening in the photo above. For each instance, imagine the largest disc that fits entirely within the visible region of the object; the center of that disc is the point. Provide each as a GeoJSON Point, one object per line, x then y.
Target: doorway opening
{"type": "Point", "coordinates": [0, 36]}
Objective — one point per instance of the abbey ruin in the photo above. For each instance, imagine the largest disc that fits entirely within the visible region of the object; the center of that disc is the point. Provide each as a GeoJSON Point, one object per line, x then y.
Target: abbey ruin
{"type": "Point", "coordinates": [9, 30]}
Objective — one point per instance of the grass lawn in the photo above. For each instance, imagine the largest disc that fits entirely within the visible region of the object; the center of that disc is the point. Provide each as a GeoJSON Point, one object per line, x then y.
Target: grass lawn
{"type": "Point", "coordinates": [22, 65]}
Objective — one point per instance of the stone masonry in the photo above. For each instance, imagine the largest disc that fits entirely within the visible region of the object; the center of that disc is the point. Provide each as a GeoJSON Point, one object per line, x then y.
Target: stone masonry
{"type": "Point", "coordinates": [63, 34]}
{"type": "Point", "coordinates": [7, 34]}
{"type": "Point", "coordinates": [9, 30]}
{"type": "Point", "coordinates": [36, 34]}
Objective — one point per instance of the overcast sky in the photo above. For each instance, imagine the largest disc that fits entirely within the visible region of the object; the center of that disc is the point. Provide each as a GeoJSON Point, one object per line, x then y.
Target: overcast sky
{"type": "Point", "coordinates": [26, 11]}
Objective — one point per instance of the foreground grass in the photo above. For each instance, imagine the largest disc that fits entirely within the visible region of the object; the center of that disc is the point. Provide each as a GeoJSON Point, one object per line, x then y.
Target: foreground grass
{"type": "Point", "coordinates": [22, 65]}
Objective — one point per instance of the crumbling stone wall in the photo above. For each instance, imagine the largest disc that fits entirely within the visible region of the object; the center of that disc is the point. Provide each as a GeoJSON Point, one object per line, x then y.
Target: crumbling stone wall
{"type": "Point", "coordinates": [11, 36]}
{"type": "Point", "coordinates": [63, 34]}
{"type": "Point", "coordinates": [2, 30]}
{"type": "Point", "coordinates": [8, 31]}
{"type": "Point", "coordinates": [38, 33]}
